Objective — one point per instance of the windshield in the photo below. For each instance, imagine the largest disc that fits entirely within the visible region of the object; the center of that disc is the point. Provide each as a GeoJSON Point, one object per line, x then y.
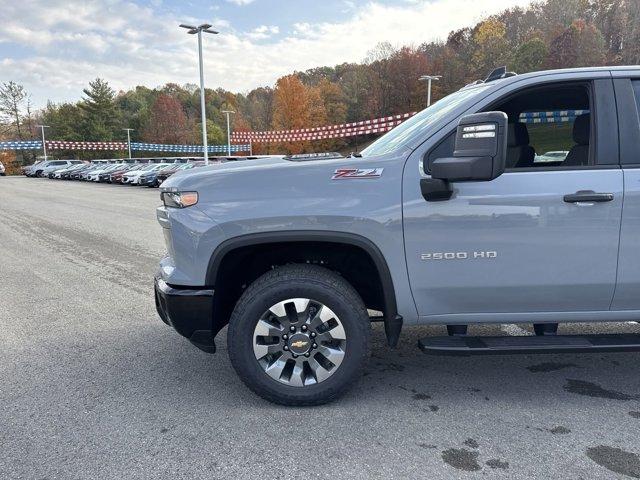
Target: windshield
{"type": "Point", "coordinates": [146, 167]}
{"type": "Point", "coordinates": [160, 166]}
{"type": "Point", "coordinates": [419, 123]}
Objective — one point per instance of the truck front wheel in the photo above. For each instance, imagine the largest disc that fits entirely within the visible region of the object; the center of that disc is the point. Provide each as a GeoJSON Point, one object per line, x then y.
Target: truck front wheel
{"type": "Point", "coordinates": [299, 335]}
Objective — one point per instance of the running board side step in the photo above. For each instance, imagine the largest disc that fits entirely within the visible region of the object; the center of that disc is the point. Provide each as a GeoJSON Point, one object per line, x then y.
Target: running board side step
{"type": "Point", "coordinates": [463, 345]}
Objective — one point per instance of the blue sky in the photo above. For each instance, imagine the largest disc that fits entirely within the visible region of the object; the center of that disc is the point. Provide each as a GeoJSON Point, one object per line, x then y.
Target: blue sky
{"type": "Point", "coordinates": [55, 47]}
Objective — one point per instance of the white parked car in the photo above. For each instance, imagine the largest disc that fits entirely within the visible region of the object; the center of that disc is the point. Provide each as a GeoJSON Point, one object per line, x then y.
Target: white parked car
{"type": "Point", "coordinates": [3, 171]}
{"type": "Point", "coordinates": [94, 176]}
{"type": "Point", "coordinates": [132, 178]}
{"type": "Point", "coordinates": [554, 156]}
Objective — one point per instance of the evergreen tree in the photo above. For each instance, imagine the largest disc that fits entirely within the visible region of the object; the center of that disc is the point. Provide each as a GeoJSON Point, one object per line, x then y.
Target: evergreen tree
{"type": "Point", "coordinates": [101, 119]}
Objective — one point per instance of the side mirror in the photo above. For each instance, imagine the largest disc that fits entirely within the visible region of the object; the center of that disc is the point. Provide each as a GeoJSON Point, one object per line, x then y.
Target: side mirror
{"type": "Point", "coordinates": [480, 154]}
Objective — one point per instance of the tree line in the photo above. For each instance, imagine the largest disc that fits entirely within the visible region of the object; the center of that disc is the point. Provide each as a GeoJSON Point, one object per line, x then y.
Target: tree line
{"type": "Point", "coordinates": [548, 34]}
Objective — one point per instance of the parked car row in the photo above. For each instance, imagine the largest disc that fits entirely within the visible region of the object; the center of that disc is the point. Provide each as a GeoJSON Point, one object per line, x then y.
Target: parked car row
{"type": "Point", "coordinates": [145, 174]}
{"type": "Point", "coordinates": [42, 169]}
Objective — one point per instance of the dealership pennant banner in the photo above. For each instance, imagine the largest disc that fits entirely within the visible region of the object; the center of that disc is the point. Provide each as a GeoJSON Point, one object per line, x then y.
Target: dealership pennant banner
{"type": "Point", "coordinates": [21, 145]}
{"type": "Point", "coordinates": [365, 127]}
{"type": "Point", "coordinates": [64, 145]}
{"type": "Point", "coordinates": [150, 147]}
{"type": "Point", "coordinates": [556, 116]}
{"type": "Point", "coordinates": [156, 147]}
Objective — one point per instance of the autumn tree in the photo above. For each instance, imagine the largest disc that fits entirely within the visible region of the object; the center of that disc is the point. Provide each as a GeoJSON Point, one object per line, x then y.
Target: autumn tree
{"type": "Point", "coordinates": [167, 122]}
{"type": "Point", "coordinates": [560, 13]}
{"type": "Point", "coordinates": [379, 84]}
{"type": "Point", "coordinates": [454, 71]}
{"type": "Point", "coordinates": [259, 108]}
{"type": "Point", "coordinates": [580, 45]}
{"type": "Point", "coordinates": [13, 98]}
{"type": "Point", "coordinates": [333, 100]}
{"type": "Point", "coordinates": [406, 66]}
{"type": "Point", "coordinates": [631, 34]}
{"type": "Point", "coordinates": [291, 109]}
{"type": "Point", "coordinates": [354, 83]}
{"type": "Point", "coordinates": [530, 56]}
{"type": "Point", "coordinates": [491, 47]}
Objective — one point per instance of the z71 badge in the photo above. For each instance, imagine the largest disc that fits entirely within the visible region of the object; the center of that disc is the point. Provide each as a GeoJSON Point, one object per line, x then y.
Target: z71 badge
{"type": "Point", "coordinates": [347, 173]}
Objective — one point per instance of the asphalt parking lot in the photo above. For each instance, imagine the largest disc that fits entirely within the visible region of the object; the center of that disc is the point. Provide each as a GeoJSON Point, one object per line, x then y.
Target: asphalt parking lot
{"type": "Point", "coordinates": [94, 385]}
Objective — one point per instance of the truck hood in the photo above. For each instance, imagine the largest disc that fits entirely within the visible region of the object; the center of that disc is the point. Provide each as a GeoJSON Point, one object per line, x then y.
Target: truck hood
{"type": "Point", "coordinates": [257, 167]}
{"type": "Point", "coordinates": [243, 164]}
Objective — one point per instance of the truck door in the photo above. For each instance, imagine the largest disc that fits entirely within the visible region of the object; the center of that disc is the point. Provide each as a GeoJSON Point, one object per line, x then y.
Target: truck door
{"type": "Point", "coordinates": [627, 87]}
{"type": "Point", "coordinates": [527, 241]}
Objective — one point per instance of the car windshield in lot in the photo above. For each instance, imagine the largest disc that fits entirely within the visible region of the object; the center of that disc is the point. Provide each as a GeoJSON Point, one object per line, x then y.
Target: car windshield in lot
{"type": "Point", "coordinates": [159, 166]}
{"type": "Point", "coordinates": [113, 167]}
{"type": "Point", "coordinates": [417, 126]}
{"type": "Point", "coordinates": [147, 167]}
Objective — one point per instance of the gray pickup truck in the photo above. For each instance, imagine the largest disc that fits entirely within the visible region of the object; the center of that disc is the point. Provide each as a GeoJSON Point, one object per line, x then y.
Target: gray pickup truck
{"type": "Point", "coordinates": [513, 200]}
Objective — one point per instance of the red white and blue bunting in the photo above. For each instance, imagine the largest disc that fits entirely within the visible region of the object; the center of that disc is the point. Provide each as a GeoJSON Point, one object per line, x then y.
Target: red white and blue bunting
{"type": "Point", "coordinates": [342, 130]}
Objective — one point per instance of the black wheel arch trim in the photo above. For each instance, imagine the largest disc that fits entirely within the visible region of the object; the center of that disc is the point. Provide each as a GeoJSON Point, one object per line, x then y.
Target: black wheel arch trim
{"type": "Point", "coordinates": [392, 321]}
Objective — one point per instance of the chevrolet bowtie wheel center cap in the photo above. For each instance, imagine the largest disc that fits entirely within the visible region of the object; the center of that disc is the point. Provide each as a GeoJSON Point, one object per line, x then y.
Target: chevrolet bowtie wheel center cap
{"type": "Point", "coordinates": [299, 342]}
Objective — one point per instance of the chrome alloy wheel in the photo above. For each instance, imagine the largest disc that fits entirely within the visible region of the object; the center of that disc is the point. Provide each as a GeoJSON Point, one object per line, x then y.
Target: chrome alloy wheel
{"type": "Point", "coordinates": [299, 342]}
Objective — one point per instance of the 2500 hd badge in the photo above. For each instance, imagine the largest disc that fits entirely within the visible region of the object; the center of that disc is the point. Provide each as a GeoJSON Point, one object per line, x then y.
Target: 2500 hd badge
{"type": "Point", "coordinates": [458, 255]}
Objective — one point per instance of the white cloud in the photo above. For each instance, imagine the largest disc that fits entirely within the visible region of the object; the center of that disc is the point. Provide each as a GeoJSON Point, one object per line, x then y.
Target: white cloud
{"type": "Point", "coordinates": [241, 2]}
{"type": "Point", "coordinates": [263, 32]}
{"type": "Point", "coordinates": [72, 41]}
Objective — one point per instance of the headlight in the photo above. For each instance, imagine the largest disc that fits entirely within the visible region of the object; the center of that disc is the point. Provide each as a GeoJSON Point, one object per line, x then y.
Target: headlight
{"type": "Point", "coordinates": [179, 199]}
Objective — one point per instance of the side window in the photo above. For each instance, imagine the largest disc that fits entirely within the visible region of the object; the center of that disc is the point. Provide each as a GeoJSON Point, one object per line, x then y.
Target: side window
{"type": "Point", "coordinates": [552, 135]}
{"type": "Point", "coordinates": [548, 127]}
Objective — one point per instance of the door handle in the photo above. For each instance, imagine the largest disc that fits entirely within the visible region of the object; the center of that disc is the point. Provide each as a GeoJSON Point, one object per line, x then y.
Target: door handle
{"type": "Point", "coordinates": [588, 196]}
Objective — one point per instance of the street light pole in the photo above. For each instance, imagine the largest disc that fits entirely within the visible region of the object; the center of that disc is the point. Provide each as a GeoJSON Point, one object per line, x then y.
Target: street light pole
{"type": "Point", "coordinates": [44, 145]}
{"type": "Point", "coordinates": [227, 113]}
{"type": "Point", "coordinates": [129, 130]}
{"type": "Point", "coordinates": [205, 27]}
{"type": "Point", "coordinates": [429, 79]}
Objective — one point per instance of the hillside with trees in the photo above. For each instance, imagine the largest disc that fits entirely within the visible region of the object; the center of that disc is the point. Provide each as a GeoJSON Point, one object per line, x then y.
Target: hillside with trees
{"type": "Point", "coordinates": [549, 34]}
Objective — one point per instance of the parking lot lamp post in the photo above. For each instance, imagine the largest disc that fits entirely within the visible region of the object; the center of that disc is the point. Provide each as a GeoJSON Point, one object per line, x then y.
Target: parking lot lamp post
{"type": "Point", "coordinates": [429, 79]}
{"type": "Point", "coordinates": [44, 145]}
{"type": "Point", "coordinates": [227, 113]}
{"type": "Point", "coordinates": [129, 130]}
{"type": "Point", "coordinates": [191, 30]}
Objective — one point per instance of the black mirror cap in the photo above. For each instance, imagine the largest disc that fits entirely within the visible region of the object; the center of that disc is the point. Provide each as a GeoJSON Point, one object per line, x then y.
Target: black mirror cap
{"type": "Point", "coordinates": [463, 169]}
